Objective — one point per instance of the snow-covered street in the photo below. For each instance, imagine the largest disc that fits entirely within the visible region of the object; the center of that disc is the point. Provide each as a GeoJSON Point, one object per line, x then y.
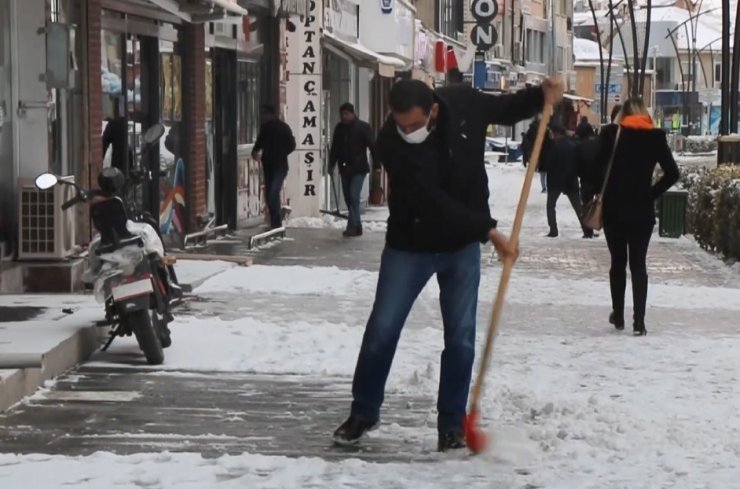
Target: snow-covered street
{"type": "Point", "coordinates": [568, 403]}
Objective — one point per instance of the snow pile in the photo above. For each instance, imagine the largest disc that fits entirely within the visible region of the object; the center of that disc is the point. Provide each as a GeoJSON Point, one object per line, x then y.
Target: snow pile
{"type": "Point", "coordinates": [191, 471]}
{"type": "Point", "coordinates": [331, 222]}
{"type": "Point", "coordinates": [296, 280]}
{"type": "Point", "coordinates": [195, 272]}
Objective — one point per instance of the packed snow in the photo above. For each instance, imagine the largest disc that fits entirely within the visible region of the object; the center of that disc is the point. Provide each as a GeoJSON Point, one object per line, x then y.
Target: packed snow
{"type": "Point", "coordinates": [569, 403]}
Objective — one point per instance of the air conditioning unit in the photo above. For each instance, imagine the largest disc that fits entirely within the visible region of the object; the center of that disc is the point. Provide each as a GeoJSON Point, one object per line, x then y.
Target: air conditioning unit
{"type": "Point", "coordinates": [498, 51]}
{"type": "Point", "coordinates": [45, 231]}
{"type": "Point", "coordinates": [517, 52]}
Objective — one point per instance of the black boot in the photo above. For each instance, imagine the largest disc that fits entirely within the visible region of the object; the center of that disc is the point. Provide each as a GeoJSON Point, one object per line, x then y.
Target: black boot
{"type": "Point", "coordinates": [638, 328]}
{"type": "Point", "coordinates": [452, 440]}
{"type": "Point", "coordinates": [350, 432]}
{"type": "Point", "coordinates": [552, 234]}
{"type": "Point", "coordinates": [352, 232]}
{"type": "Point", "coordinates": [617, 320]}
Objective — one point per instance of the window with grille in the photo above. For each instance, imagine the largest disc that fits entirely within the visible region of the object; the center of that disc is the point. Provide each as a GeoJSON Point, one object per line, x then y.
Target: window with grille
{"type": "Point", "coordinates": [37, 221]}
{"type": "Point", "coordinates": [248, 95]}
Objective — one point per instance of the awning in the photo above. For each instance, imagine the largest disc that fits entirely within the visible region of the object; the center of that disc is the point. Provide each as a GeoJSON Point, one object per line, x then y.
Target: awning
{"type": "Point", "coordinates": [577, 98]}
{"type": "Point", "coordinates": [200, 11]}
{"type": "Point", "coordinates": [386, 65]}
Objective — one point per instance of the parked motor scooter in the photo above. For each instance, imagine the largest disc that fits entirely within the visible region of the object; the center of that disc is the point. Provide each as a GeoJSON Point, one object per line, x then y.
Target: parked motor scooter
{"type": "Point", "coordinates": [125, 262]}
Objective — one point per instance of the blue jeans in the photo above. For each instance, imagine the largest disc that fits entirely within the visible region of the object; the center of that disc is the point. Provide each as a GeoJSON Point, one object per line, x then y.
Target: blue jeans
{"type": "Point", "coordinates": [274, 179]}
{"type": "Point", "coordinates": [402, 277]}
{"type": "Point", "coordinates": [352, 187]}
{"type": "Point", "coordinates": [543, 180]}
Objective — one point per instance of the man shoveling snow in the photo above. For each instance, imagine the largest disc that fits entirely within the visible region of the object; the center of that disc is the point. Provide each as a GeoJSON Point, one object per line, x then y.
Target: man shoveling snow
{"type": "Point", "coordinates": [432, 148]}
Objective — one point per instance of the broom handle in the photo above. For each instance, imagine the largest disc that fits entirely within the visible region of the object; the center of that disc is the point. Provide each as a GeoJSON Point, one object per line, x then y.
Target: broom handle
{"type": "Point", "coordinates": [498, 305]}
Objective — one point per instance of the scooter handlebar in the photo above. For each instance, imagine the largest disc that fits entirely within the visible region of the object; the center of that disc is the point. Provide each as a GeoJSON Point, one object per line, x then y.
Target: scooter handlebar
{"type": "Point", "coordinates": [73, 201]}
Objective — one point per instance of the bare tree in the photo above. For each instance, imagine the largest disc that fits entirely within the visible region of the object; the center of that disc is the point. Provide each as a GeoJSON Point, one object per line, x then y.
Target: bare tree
{"type": "Point", "coordinates": [734, 84]}
{"type": "Point", "coordinates": [603, 93]}
{"type": "Point", "coordinates": [645, 48]}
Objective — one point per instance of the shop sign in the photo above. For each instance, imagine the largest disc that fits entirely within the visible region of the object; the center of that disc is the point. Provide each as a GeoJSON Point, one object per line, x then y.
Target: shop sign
{"type": "Point", "coordinates": [483, 34]}
{"type": "Point", "coordinates": [303, 112]}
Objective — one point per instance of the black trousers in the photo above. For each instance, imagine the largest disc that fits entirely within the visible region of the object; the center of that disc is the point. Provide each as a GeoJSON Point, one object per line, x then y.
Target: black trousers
{"type": "Point", "coordinates": [553, 194]}
{"type": "Point", "coordinates": [628, 244]}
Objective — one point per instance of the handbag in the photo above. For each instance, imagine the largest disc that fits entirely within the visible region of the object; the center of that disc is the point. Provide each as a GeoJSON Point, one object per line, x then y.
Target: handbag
{"type": "Point", "coordinates": [593, 217]}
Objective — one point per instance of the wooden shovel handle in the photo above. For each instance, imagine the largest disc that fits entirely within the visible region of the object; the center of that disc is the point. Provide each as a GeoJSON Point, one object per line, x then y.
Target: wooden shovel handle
{"type": "Point", "coordinates": [498, 305]}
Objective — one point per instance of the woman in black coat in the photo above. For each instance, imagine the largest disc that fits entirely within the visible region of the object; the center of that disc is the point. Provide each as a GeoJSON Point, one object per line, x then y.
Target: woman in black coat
{"type": "Point", "coordinates": [628, 202]}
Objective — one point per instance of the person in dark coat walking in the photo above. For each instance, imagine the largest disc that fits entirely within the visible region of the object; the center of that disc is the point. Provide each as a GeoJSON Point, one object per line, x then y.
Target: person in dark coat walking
{"type": "Point", "coordinates": [350, 144]}
{"type": "Point", "coordinates": [629, 203]}
{"type": "Point", "coordinates": [584, 130]}
{"type": "Point", "coordinates": [561, 164]}
{"type": "Point", "coordinates": [528, 146]}
{"type": "Point", "coordinates": [588, 151]}
{"type": "Point", "coordinates": [274, 143]}
{"type": "Point", "coordinates": [432, 146]}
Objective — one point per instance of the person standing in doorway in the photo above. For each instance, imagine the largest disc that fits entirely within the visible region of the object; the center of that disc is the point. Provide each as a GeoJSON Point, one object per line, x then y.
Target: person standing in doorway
{"type": "Point", "coordinates": [432, 147]}
{"type": "Point", "coordinates": [274, 143]}
{"type": "Point", "coordinates": [350, 144]}
{"type": "Point", "coordinates": [115, 136]}
{"type": "Point", "coordinates": [562, 177]}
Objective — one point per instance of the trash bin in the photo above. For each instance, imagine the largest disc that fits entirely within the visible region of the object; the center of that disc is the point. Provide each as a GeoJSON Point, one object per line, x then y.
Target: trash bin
{"type": "Point", "coordinates": [728, 150]}
{"type": "Point", "coordinates": [672, 221]}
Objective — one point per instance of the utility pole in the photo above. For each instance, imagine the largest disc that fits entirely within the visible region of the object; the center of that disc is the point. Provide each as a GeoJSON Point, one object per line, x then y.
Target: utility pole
{"type": "Point", "coordinates": [724, 122]}
{"type": "Point", "coordinates": [734, 84]}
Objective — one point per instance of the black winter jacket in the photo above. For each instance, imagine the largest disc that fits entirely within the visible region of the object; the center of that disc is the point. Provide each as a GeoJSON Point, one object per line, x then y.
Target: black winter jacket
{"type": "Point", "coordinates": [349, 146]}
{"type": "Point", "coordinates": [276, 141]}
{"type": "Point", "coordinates": [562, 165]}
{"type": "Point", "coordinates": [630, 193]}
{"type": "Point", "coordinates": [439, 189]}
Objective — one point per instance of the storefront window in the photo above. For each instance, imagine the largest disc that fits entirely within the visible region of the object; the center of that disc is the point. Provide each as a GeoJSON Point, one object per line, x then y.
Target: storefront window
{"type": "Point", "coordinates": [114, 131]}
{"type": "Point", "coordinates": [172, 157]}
{"type": "Point", "coordinates": [141, 78]}
{"type": "Point", "coordinates": [6, 139]}
{"type": "Point", "coordinates": [248, 94]}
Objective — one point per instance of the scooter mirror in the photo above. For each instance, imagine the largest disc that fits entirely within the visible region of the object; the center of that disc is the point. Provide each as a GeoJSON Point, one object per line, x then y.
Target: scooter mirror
{"type": "Point", "coordinates": [46, 180]}
{"type": "Point", "coordinates": [153, 134]}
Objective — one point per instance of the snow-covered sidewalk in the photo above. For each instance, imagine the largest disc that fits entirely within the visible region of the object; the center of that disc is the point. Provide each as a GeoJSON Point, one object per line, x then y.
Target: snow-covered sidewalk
{"type": "Point", "coordinates": [569, 402]}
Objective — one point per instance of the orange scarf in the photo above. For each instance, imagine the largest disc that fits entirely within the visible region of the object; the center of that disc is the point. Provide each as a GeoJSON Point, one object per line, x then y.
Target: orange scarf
{"type": "Point", "coordinates": [638, 121]}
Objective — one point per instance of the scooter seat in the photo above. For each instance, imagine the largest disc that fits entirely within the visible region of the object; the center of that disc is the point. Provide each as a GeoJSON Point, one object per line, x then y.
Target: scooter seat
{"type": "Point", "coordinates": [111, 247]}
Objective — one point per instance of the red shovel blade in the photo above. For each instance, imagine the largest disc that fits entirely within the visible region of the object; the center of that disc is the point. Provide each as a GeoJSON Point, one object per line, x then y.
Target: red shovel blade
{"type": "Point", "coordinates": [474, 436]}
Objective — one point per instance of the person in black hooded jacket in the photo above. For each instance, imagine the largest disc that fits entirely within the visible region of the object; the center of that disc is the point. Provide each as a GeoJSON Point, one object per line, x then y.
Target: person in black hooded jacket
{"type": "Point", "coordinates": [432, 147]}
{"type": "Point", "coordinates": [629, 202]}
{"type": "Point", "coordinates": [350, 144]}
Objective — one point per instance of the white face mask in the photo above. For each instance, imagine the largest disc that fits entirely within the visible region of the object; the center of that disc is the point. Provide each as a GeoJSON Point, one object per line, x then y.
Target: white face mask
{"type": "Point", "coordinates": [418, 136]}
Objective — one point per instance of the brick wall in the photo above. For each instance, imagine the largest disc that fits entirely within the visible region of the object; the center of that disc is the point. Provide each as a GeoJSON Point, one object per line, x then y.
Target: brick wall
{"type": "Point", "coordinates": [194, 101]}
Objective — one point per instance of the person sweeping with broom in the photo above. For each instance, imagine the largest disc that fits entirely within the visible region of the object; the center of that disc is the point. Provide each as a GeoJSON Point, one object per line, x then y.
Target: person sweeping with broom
{"type": "Point", "coordinates": [432, 147]}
